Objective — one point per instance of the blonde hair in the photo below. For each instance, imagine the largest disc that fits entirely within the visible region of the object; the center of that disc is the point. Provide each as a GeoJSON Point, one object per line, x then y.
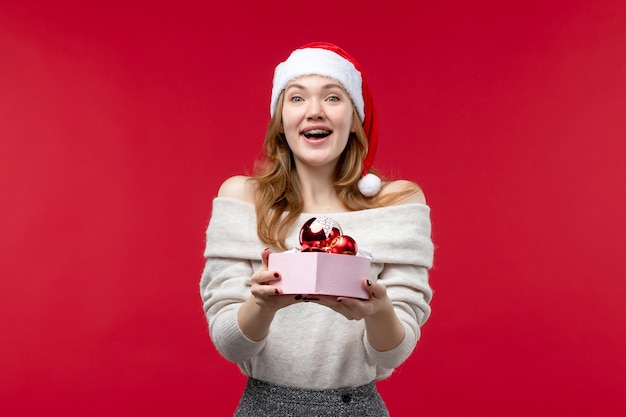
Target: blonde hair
{"type": "Point", "coordinates": [278, 199]}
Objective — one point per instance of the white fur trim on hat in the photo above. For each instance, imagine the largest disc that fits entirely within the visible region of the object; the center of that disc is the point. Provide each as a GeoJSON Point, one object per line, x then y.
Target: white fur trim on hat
{"type": "Point", "coordinates": [369, 185]}
{"type": "Point", "coordinates": [319, 61]}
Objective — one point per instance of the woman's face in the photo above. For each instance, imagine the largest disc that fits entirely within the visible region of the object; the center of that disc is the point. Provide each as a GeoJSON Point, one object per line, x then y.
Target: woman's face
{"type": "Point", "coordinates": [317, 120]}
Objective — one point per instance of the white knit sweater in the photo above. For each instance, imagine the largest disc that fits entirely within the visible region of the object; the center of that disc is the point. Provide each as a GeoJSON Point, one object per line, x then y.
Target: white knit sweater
{"type": "Point", "coordinates": [309, 345]}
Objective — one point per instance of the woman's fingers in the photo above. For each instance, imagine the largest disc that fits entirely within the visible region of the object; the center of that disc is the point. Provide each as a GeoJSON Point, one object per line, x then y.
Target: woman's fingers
{"type": "Point", "coordinates": [375, 289]}
{"type": "Point", "coordinates": [355, 308]}
{"type": "Point", "coordinates": [262, 276]}
{"type": "Point", "coordinates": [265, 255]}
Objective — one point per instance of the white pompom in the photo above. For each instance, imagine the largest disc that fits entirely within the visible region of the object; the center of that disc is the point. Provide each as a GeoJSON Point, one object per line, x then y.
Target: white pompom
{"type": "Point", "coordinates": [369, 185]}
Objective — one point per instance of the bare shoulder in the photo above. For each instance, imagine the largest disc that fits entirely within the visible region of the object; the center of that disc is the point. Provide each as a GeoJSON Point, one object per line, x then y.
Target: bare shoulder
{"type": "Point", "coordinates": [408, 192]}
{"type": "Point", "coordinates": [238, 187]}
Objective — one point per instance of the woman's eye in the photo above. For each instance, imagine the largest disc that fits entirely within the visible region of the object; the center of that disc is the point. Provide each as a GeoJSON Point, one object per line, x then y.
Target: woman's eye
{"type": "Point", "coordinates": [333, 98]}
{"type": "Point", "coordinates": [296, 99]}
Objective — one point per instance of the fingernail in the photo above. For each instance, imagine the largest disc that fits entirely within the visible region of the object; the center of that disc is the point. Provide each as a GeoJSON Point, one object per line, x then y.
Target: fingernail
{"type": "Point", "coordinates": [298, 297]}
{"type": "Point", "coordinates": [276, 274]}
{"type": "Point", "coordinates": [369, 283]}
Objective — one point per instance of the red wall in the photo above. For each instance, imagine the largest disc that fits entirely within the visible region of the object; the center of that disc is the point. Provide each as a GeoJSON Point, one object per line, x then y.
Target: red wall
{"type": "Point", "coordinates": [119, 120]}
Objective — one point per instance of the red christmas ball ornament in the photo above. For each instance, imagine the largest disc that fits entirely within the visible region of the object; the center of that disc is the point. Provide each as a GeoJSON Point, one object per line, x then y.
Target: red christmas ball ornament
{"type": "Point", "coordinates": [323, 234]}
{"type": "Point", "coordinates": [312, 248]}
{"type": "Point", "coordinates": [318, 231]}
{"type": "Point", "coordinates": [344, 245]}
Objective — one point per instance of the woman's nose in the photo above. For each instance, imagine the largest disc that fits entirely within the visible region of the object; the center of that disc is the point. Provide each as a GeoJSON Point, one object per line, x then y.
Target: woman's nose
{"type": "Point", "coordinates": [315, 110]}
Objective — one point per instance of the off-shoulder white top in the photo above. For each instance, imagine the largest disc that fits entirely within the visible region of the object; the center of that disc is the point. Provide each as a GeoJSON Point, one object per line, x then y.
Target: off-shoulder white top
{"type": "Point", "coordinates": [309, 345]}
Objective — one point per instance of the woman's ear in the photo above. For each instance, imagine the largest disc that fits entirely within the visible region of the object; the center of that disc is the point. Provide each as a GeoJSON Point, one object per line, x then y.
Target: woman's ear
{"type": "Point", "coordinates": [353, 127]}
{"type": "Point", "coordinates": [355, 120]}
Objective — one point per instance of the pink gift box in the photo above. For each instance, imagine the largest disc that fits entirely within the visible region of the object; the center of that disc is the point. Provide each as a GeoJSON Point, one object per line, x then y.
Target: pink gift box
{"type": "Point", "coordinates": [321, 273]}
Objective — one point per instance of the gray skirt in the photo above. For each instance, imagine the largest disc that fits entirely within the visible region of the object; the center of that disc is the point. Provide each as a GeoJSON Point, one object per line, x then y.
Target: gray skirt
{"type": "Point", "coordinates": [262, 399]}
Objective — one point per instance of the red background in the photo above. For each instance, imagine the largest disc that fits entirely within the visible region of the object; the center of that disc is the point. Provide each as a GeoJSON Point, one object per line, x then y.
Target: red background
{"type": "Point", "coordinates": [118, 121]}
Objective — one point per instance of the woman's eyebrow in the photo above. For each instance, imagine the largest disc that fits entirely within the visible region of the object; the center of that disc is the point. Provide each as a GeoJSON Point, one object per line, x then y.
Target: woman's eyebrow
{"type": "Point", "coordinates": [324, 87]}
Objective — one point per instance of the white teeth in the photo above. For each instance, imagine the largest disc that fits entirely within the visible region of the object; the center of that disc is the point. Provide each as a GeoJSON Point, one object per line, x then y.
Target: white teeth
{"type": "Point", "coordinates": [318, 133]}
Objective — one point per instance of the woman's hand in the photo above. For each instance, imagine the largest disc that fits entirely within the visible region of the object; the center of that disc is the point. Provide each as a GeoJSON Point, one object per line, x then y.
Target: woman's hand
{"type": "Point", "coordinates": [257, 312]}
{"type": "Point", "coordinates": [266, 294]}
{"type": "Point", "coordinates": [355, 308]}
{"type": "Point", "coordinates": [384, 330]}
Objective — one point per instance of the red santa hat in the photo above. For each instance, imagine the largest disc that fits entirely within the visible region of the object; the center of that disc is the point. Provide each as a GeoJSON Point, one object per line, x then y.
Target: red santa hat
{"type": "Point", "coordinates": [328, 60]}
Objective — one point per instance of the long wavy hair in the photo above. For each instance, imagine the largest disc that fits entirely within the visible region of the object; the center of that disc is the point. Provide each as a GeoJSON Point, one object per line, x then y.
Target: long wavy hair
{"type": "Point", "coordinates": [278, 198]}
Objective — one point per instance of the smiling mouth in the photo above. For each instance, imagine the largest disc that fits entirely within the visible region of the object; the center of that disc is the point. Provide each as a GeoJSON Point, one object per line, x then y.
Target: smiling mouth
{"type": "Point", "coordinates": [317, 133]}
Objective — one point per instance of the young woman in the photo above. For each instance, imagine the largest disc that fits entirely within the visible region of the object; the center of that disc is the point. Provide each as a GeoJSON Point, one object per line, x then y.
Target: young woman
{"type": "Point", "coordinates": [316, 355]}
